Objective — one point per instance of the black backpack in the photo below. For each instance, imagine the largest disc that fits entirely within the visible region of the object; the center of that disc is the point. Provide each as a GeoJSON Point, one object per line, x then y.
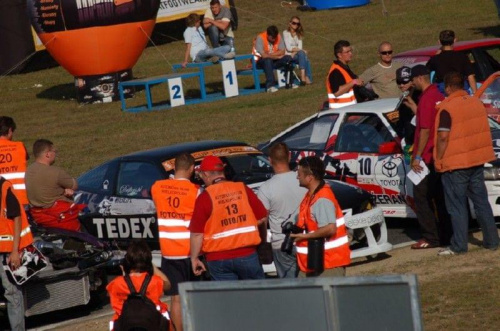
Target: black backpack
{"type": "Point", "coordinates": [139, 313]}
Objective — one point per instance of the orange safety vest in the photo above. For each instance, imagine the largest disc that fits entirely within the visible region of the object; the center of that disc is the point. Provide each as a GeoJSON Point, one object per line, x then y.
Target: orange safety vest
{"type": "Point", "coordinates": [469, 142]}
{"type": "Point", "coordinates": [232, 223]}
{"type": "Point", "coordinates": [13, 160]}
{"type": "Point", "coordinates": [7, 225]}
{"type": "Point", "coordinates": [174, 200]}
{"type": "Point", "coordinates": [263, 36]}
{"type": "Point", "coordinates": [337, 252]}
{"type": "Point", "coordinates": [345, 99]}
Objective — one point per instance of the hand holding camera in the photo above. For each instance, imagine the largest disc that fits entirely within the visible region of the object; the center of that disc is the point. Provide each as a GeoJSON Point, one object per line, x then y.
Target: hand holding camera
{"type": "Point", "coordinates": [288, 228]}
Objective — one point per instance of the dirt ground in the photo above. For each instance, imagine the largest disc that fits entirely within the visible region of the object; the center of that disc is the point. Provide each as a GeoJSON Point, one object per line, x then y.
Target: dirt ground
{"type": "Point", "coordinates": [457, 292]}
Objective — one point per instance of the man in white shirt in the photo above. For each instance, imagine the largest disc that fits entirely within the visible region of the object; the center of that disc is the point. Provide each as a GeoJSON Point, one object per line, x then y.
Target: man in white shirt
{"type": "Point", "coordinates": [281, 195]}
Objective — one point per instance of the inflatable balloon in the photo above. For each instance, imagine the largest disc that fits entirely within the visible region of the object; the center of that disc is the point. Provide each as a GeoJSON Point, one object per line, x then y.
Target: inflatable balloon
{"type": "Point", "coordinates": [97, 41]}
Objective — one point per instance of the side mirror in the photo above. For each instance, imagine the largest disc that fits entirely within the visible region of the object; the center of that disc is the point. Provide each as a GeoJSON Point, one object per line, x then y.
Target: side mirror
{"type": "Point", "coordinates": [389, 148]}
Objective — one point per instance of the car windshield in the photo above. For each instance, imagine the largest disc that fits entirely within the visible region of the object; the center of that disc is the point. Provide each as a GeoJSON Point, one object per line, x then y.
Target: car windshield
{"type": "Point", "coordinates": [491, 99]}
{"type": "Point", "coordinates": [248, 168]}
{"type": "Point", "coordinates": [485, 61]}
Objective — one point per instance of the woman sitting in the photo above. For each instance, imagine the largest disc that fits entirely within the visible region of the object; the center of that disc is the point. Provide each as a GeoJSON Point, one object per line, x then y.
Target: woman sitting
{"type": "Point", "coordinates": [292, 37]}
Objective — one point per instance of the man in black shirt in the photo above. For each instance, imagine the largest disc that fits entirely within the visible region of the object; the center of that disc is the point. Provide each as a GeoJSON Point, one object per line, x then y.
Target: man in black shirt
{"type": "Point", "coordinates": [448, 61]}
{"type": "Point", "coordinates": [341, 80]}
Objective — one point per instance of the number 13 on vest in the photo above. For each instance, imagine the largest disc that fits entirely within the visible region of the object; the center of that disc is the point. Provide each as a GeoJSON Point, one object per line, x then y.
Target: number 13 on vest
{"type": "Point", "coordinates": [229, 78]}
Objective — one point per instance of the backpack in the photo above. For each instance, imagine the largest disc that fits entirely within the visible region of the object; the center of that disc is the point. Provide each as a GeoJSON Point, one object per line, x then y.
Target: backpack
{"type": "Point", "coordinates": [139, 313]}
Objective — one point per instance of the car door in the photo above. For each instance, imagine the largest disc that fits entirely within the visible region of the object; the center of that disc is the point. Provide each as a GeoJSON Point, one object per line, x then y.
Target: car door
{"type": "Point", "coordinates": [128, 212]}
{"type": "Point", "coordinates": [368, 154]}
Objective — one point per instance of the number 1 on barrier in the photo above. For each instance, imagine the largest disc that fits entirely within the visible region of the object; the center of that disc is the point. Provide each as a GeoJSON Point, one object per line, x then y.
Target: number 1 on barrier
{"type": "Point", "coordinates": [229, 78]}
{"type": "Point", "coordinates": [176, 92]}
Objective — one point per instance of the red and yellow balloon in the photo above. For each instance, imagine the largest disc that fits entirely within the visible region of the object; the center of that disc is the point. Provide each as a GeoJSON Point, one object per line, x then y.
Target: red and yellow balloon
{"type": "Point", "coordinates": [97, 41]}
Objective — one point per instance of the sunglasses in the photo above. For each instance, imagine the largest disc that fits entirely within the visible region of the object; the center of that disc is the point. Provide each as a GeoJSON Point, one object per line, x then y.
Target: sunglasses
{"type": "Point", "coordinates": [386, 53]}
{"type": "Point", "coordinates": [295, 23]}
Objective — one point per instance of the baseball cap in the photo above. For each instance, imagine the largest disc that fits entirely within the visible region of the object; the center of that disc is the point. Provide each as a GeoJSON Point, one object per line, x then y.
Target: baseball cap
{"type": "Point", "coordinates": [403, 75]}
{"type": "Point", "coordinates": [211, 163]}
{"type": "Point", "coordinates": [419, 70]}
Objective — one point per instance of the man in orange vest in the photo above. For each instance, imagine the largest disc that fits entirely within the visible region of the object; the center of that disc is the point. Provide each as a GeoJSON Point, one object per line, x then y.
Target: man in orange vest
{"type": "Point", "coordinates": [15, 234]}
{"type": "Point", "coordinates": [225, 226]}
{"type": "Point", "coordinates": [174, 200]}
{"type": "Point", "coordinates": [321, 218]}
{"type": "Point", "coordinates": [50, 190]}
{"type": "Point", "coordinates": [341, 80]}
{"type": "Point", "coordinates": [462, 146]}
{"type": "Point", "coordinates": [13, 158]}
{"type": "Point", "coordinates": [269, 52]}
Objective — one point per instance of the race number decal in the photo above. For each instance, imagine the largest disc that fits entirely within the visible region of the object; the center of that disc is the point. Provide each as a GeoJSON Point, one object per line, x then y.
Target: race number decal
{"type": "Point", "coordinates": [365, 166]}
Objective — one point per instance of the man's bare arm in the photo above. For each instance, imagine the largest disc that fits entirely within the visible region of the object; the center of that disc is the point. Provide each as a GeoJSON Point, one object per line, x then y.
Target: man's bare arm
{"type": "Point", "coordinates": [196, 243]}
{"type": "Point", "coordinates": [441, 143]}
{"type": "Point", "coordinates": [472, 83]}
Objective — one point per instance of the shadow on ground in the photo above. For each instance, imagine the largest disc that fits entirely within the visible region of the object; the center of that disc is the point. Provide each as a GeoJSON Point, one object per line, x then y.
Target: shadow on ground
{"type": "Point", "coordinates": [488, 31]}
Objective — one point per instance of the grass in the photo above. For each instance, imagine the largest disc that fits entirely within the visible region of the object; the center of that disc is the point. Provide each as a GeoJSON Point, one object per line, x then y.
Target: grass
{"type": "Point", "coordinates": [89, 135]}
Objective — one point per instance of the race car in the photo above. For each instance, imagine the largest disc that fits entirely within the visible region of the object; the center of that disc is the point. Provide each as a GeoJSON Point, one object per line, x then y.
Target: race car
{"type": "Point", "coordinates": [483, 54]}
{"type": "Point", "coordinates": [120, 207]}
{"type": "Point", "coordinates": [363, 145]}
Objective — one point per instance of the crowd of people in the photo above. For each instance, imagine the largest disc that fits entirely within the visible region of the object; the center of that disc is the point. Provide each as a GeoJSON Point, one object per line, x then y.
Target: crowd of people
{"type": "Point", "coordinates": [220, 230]}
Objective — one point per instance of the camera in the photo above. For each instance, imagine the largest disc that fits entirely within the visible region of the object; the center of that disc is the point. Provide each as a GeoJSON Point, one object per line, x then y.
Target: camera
{"type": "Point", "coordinates": [288, 228]}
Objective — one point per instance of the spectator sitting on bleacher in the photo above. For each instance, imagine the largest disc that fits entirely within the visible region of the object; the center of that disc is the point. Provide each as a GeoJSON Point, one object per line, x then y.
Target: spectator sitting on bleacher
{"type": "Point", "coordinates": [292, 37]}
{"type": "Point", "coordinates": [196, 43]}
{"type": "Point", "coordinates": [217, 22]}
{"type": "Point", "coordinates": [269, 53]}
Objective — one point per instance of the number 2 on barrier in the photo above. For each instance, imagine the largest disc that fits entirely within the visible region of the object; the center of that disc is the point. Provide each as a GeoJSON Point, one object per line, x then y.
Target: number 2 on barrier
{"type": "Point", "coordinates": [176, 92]}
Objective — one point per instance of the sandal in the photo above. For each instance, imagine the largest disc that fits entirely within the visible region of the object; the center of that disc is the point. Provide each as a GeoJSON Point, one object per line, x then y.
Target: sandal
{"type": "Point", "coordinates": [422, 244]}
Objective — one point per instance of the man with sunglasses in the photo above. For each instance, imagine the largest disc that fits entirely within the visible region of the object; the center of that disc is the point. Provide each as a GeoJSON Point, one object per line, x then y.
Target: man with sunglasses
{"type": "Point", "coordinates": [382, 76]}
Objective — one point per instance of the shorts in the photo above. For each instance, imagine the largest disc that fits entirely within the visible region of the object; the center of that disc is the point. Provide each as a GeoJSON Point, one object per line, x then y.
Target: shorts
{"type": "Point", "coordinates": [177, 271]}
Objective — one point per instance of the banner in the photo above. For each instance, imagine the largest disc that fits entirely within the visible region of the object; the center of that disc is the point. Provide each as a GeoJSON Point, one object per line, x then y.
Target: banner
{"type": "Point", "coordinates": [171, 10]}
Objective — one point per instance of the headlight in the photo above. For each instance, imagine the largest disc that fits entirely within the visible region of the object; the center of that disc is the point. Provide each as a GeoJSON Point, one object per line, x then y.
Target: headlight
{"type": "Point", "coordinates": [492, 173]}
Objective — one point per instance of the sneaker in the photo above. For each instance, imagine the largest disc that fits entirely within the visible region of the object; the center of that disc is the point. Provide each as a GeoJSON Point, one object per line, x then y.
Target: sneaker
{"type": "Point", "coordinates": [295, 86]}
{"type": "Point", "coordinates": [422, 244]}
{"type": "Point", "coordinates": [272, 89]}
{"type": "Point", "coordinates": [229, 55]}
{"type": "Point", "coordinates": [446, 251]}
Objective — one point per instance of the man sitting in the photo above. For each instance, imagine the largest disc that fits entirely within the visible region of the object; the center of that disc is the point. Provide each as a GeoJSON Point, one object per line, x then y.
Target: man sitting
{"type": "Point", "coordinates": [217, 22]}
{"type": "Point", "coordinates": [269, 52]}
{"type": "Point", "coordinates": [50, 190]}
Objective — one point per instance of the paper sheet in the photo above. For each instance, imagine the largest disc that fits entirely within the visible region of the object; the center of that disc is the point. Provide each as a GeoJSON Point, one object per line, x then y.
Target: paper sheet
{"type": "Point", "coordinates": [416, 178]}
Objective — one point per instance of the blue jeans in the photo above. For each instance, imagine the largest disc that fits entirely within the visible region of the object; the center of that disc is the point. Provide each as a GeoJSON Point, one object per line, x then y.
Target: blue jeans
{"type": "Point", "coordinates": [458, 186]}
{"type": "Point", "coordinates": [217, 38]}
{"type": "Point", "coordinates": [286, 264]}
{"type": "Point", "coordinates": [301, 59]}
{"type": "Point", "coordinates": [247, 267]}
{"type": "Point", "coordinates": [207, 53]}
{"type": "Point", "coordinates": [15, 302]}
{"type": "Point", "coordinates": [269, 65]}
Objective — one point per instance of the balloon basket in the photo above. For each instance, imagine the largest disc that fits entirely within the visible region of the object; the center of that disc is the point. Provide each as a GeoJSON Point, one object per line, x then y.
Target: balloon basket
{"type": "Point", "coordinates": [102, 88]}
